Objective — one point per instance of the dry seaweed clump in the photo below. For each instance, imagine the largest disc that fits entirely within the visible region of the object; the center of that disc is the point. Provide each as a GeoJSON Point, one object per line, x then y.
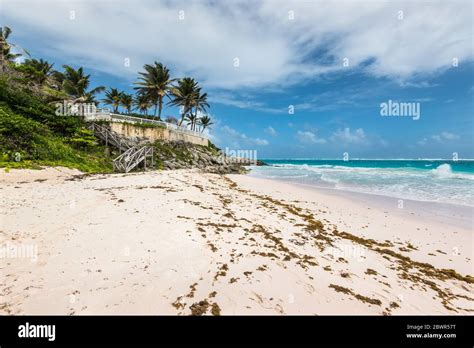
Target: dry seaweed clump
{"type": "Point", "coordinates": [201, 308]}
{"type": "Point", "coordinates": [362, 298]}
{"type": "Point", "coordinates": [370, 271]}
{"type": "Point", "coordinates": [215, 309]}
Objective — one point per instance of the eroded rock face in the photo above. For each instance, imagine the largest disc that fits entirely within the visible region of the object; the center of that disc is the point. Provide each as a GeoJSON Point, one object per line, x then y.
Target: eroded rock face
{"type": "Point", "coordinates": [182, 155]}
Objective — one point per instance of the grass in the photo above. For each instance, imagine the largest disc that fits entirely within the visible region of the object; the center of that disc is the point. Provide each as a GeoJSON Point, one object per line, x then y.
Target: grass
{"type": "Point", "coordinates": [33, 146]}
{"type": "Point", "coordinates": [144, 125]}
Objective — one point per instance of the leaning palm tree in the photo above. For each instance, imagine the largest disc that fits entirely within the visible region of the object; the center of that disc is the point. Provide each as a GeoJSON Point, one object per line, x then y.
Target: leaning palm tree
{"type": "Point", "coordinates": [155, 84]}
{"type": "Point", "coordinates": [57, 79]}
{"type": "Point", "coordinates": [204, 122]}
{"type": "Point", "coordinates": [126, 100]}
{"type": "Point", "coordinates": [142, 103]}
{"type": "Point", "coordinates": [41, 70]}
{"type": "Point", "coordinates": [113, 98]}
{"type": "Point", "coordinates": [75, 84]}
{"type": "Point", "coordinates": [184, 95]}
{"type": "Point", "coordinates": [5, 47]}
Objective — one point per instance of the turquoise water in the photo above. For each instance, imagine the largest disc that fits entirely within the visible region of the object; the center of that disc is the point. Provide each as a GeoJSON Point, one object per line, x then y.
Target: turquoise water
{"type": "Point", "coordinates": [422, 180]}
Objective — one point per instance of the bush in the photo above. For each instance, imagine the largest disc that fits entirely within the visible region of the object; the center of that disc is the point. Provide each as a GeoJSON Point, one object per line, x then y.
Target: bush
{"type": "Point", "coordinates": [18, 134]}
{"type": "Point", "coordinates": [23, 102]}
{"type": "Point", "coordinates": [83, 139]}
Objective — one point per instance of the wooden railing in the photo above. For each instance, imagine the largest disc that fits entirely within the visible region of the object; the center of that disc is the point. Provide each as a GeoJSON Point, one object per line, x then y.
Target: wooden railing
{"type": "Point", "coordinates": [132, 158]}
{"type": "Point", "coordinates": [111, 137]}
{"type": "Point", "coordinates": [133, 154]}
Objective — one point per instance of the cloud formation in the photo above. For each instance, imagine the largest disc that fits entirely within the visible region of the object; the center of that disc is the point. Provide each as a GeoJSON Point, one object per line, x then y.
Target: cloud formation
{"type": "Point", "coordinates": [250, 43]}
{"type": "Point", "coordinates": [440, 138]}
{"type": "Point", "coordinates": [307, 137]}
{"type": "Point", "coordinates": [239, 140]}
{"type": "Point", "coordinates": [270, 130]}
{"type": "Point", "coordinates": [346, 136]}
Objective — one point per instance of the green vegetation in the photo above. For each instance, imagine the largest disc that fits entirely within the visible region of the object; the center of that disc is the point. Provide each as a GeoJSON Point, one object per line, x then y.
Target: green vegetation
{"type": "Point", "coordinates": [31, 134]}
{"type": "Point", "coordinates": [145, 125]}
{"type": "Point", "coordinates": [154, 84]}
{"type": "Point", "coordinates": [26, 143]}
{"type": "Point", "coordinates": [36, 128]}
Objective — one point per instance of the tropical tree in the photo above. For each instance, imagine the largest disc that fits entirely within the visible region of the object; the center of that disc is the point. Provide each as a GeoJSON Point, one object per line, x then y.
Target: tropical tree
{"type": "Point", "coordinates": [126, 100]}
{"type": "Point", "coordinates": [142, 103]}
{"type": "Point", "coordinates": [204, 122]}
{"type": "Point", "coordinates": [5, 47]}
{"type": "Point", "coordinates": [57, 79]}
{"type": "Point", "coordinates": [113, 97]}
{"type": "Point", "coordinates": [200, 102]}
{"type": "Point", "coordinates": [39, 70]}
{"type": "Point", "coordinates": [192, 120]}
{"type": "Point", "coordinates": [75, 84]}
{"type": "Point", "coordinates": [155, 84]}
{"type": "Point", "coordinates": [184, 95]}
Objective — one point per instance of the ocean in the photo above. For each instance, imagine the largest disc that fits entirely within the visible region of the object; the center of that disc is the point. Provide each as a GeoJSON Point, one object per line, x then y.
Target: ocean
{"type": "Point", "coordinates": [443, 181]}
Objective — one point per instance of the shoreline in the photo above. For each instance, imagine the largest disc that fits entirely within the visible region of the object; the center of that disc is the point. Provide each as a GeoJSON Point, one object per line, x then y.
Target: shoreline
{"type": "Point", "coordinates": [457, 215]}
{"type": "Point", "coordinates": [189, 243]}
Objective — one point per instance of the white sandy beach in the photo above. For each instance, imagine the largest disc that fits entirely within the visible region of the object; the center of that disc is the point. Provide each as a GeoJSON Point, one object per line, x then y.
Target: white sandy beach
{"type": "Point", "coordinates": [184, 242]}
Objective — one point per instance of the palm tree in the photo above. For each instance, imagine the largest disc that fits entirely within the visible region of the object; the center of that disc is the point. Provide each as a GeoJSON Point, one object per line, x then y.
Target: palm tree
{"type": "Point", "coordinates": [5, 47]}
{"type": "Point", "coordinates": [192, 119]}
{"type": "Point", "coordinates": [204, 122]}
{"type": "Point", "coordinates": [184, 95]}
{"type": "Point", "coordinates": [41, 70]}
{"type": "Point", "coordinates": [75, 84]}
{"type": "Point", "coordinates": [155, 84]}
{"type": "Point", "coordinates": [113, 98]}
{"type": "Point", "coordinates": [200, 102]}
{"type": "Point", "coordinates": [142, 103]}
{"type": "Point", "coordinates": [126, 100]}
{"type": "Point", "coordinates": [57, 79]}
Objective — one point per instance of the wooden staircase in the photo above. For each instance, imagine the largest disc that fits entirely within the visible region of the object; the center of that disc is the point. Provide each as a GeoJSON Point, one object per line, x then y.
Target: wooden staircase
{"type": "Point", "coordinates": [132, 158]}
{"type": "Point", "coordinates": [131, 153]}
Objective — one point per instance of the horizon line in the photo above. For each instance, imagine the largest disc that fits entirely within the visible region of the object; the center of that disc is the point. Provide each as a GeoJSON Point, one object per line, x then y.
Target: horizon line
{"type": "Point", "coordinates": [370, 159]}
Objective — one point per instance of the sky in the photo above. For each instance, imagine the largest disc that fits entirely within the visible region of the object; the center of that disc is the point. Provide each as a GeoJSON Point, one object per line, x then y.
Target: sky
{"type": "Point", "coordinates": [288, 79]}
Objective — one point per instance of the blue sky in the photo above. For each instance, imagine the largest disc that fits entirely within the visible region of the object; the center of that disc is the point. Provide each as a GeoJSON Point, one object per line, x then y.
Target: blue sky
{"type": "Point", "coordinates": [334, 62]}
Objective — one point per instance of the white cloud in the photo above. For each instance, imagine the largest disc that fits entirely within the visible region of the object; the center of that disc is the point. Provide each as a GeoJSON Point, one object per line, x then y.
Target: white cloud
{"type": "Point", "coordinates": [270, 130]}
{"type": "Point", "coordinates": [307, 137]}
{"type": "Point", "coordinates": [347, 136]}
{"type": "Point", "coordinates": [271, 48]}
{"type": "Point", "coordinates": [234, 138]}
{"type": "Point", "coordinates": [242, 102]}
{"type": "Point", "coordinates": [259, 141]}
{"type": "Point", "coordinates": [445, 136]}
{"type": "Point", "coordinates": [439, 138]}
{"type": "Point", "coordinates": [422, 141]}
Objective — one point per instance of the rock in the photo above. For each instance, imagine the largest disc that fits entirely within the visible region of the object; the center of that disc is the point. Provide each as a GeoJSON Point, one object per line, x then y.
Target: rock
{"type": "Point", "coordinates": [172, 155]}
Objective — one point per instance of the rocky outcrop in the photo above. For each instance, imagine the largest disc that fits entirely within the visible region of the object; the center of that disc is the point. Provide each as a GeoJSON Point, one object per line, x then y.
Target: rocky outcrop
{"type": "Point", "coordinates": [181, 155]}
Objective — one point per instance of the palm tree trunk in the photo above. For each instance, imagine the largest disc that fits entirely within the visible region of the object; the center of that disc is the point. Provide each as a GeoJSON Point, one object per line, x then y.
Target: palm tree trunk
{"type": "Point", "coordinates": [156, 108]}
{"type": "Point", "coordinates": [160, 108]}
{"type": "Point", "coordinates": [182, 118]}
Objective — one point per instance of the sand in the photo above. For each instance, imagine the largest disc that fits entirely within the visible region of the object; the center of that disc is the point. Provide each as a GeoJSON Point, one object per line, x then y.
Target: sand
{"type": "Point", "coordinates": [184, 242]}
